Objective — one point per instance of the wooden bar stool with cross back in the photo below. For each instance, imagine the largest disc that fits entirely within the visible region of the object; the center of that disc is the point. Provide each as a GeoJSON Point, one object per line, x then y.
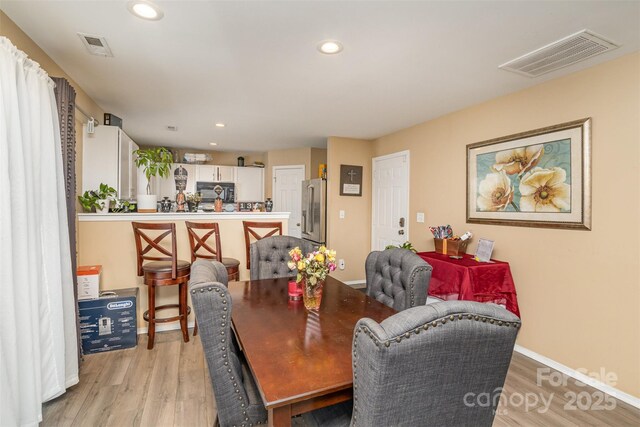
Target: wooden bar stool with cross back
{"type": "Point", "coordinates": [164, 269]}
{"type": "Point", "coordinates": [202, 247]}
{"type": "Point", "coordinates": [254, 231]}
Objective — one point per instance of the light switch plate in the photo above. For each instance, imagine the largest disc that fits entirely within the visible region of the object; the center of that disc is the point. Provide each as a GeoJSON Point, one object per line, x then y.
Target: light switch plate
{"type": "Point", "coordinates": [341, 264]}
{"type": "Point", "coordinates": [341, 214]}
{"type": "Point", "coordinates": [420, 217]}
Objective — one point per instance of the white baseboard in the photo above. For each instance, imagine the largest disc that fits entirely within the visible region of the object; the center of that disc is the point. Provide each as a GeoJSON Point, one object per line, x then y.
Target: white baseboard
{"type": "Point", "coordinates": [356, 283]}
{"type": "Point", "coordinates": [585, 379]}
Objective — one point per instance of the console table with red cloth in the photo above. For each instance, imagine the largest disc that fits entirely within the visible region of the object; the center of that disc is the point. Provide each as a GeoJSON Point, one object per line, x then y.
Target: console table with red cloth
{"type": "Point", "coordinates": [468, 279]}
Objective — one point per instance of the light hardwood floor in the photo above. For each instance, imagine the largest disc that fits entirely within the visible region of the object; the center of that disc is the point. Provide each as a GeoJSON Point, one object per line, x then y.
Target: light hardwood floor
{"type": "Point", "coordinates": [169, 386]}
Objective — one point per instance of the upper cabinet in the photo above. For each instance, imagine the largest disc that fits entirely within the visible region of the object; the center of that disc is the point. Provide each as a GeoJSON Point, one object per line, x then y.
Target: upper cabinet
{"type": "Point", "coordinates": [214, 173]}
{"type": "Point", "coordinates": [107, 157]}
{"type": "Point", "coordinates": [249, 184]}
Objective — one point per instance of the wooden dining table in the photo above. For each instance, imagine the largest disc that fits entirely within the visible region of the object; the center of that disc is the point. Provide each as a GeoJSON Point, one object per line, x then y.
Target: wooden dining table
{"type": "Point", "coordinates": [301, 360]}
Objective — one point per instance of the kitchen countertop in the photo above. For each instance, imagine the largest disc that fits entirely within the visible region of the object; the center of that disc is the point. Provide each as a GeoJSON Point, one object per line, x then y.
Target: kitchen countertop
{"type": "Point", "coordinates": [173, 216]}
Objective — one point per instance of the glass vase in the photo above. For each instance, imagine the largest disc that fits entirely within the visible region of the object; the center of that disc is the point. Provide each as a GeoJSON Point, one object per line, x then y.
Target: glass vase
{"type": "Point", "coordinates": [312, 294]}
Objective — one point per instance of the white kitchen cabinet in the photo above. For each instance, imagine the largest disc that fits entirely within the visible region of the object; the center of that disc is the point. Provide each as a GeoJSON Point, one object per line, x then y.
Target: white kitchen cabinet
{"type": "Point", "coordinates": [214, 173]}
{"type": "Point", "coordinates": [167, 186]}
{"type": "Point", "coordinates": [107, 157]}
{"type": "Point", "coordinates": [249, 184]}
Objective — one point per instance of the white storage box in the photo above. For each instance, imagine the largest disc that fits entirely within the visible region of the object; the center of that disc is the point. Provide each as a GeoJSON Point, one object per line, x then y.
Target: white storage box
{"type": "Point", "coordinates": [89, 281]}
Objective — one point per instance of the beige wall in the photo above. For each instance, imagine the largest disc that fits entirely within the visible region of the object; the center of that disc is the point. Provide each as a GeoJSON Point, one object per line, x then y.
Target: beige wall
{"type": "Point", "coordinates": [309, 157]}
{"type": "Point", "coordinates": [579, 291]}
{"type": "Point", "coordinates": [349, 237]}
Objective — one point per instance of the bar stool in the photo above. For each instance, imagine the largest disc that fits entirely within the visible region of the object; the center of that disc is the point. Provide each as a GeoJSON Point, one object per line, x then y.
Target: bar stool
{"type": "Point", "coordinates": [251, 230]}
{"type": "Point", "coordinates": [164, 270]}
{"type": "Point", "coordinates": [198, 242]}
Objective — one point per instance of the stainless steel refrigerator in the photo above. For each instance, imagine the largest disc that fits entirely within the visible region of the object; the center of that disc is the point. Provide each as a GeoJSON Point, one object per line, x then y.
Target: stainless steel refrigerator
{"type": "Point", "coordinates": [314, 210]}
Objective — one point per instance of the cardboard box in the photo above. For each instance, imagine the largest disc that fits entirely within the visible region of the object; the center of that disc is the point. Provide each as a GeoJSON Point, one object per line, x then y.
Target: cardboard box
{"type": "Point", "coordinates": [89, 281]}
{"type": "Point", "coordinates": [109, 322]}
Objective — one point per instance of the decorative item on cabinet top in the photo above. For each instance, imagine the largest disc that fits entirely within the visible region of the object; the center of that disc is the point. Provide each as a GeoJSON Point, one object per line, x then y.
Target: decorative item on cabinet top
{"type": "Point", "coordinates": [196, 158]}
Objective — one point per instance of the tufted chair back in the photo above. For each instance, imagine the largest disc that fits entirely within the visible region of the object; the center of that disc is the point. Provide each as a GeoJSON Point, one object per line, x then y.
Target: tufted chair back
{"type": "Point", "coordinates": [238, 401]}
{"type": "Point", "coordinates": [269, 256]}
{"type": "Point", "coordinates": [432, 365]}
{"type": "Point", "coordinates": [398, 278]}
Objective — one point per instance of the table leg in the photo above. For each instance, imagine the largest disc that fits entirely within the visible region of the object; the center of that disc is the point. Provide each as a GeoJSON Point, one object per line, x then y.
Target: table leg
{"type": "Point", "coordinates": [280, 417]}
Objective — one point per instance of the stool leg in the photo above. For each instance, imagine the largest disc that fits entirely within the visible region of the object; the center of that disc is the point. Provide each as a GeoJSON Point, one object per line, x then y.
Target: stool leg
{"type": "Point", "coordinates": [152, 316]}
{"type": "Point", "coordinates": [183, 311]}
{"type": "Point", "coordinates": [195, 327]}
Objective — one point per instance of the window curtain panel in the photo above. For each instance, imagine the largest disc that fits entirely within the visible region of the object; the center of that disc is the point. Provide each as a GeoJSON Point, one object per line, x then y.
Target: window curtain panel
{"type": "Point", "coordinates": [66, 102]}
{"type": "Point", "coordinates": [38, 340]}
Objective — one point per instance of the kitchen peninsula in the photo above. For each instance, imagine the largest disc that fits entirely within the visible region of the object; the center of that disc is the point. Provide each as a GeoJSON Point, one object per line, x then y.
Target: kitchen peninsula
{"type": "Point", "coordinates": [107, 240]}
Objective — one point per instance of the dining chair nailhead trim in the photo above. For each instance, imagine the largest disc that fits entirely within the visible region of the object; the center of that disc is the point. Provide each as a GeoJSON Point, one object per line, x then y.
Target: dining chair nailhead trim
{"type": "Point", "coordinates": [440, 321]}
{"type": "Point", "coordinates": [387, 343]}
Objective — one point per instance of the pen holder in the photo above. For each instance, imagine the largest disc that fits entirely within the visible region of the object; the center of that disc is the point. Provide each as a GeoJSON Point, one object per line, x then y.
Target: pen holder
{"type": "Point", "coordinates": [451, 247]}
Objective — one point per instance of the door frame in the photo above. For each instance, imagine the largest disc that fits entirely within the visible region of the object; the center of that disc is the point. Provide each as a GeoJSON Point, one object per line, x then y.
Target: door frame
{"type": "Point", "coordinates": [406, 153]}
{"type": "Point", "coordinates": [281, 167]}
{"type": "Point", "coordinates": [273, 179]}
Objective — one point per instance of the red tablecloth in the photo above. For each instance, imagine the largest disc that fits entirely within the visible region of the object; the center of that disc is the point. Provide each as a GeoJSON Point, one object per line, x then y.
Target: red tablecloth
{"type": "Point", "coordinates": [468, 279]}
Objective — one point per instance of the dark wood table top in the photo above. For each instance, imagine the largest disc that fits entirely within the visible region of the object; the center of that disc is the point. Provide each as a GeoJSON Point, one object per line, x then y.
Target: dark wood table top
{"type": "Point", "coordinates": [296, 355]}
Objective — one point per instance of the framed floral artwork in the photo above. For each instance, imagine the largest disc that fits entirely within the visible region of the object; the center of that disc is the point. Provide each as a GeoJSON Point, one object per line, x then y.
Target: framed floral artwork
{"type": "Point", "coordinates": [540, 178]}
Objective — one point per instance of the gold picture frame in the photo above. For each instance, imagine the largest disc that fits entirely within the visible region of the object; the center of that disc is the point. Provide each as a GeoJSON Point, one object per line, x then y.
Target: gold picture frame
{"type": "Point", "coordinates": [539, 178]}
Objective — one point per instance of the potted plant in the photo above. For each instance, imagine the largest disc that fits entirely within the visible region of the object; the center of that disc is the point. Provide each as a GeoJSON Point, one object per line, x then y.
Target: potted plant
{"type": "Point", "coordinates": [193, 201]}
{"type": "Point", "coordinates": [154, 161]}
{"type": "Point", "coordinates": [98, 200]}
{"type": "Point", "coordinates": [406, 245]}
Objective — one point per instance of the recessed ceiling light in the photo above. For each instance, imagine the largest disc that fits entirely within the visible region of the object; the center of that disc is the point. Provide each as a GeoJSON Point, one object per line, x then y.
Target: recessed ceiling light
{"type": "Point", "coordinates": [330, 47]}
{"type": "Point", "coordinates": [220, 125]}
{"type": "Point", "coordinates": [145, 9]}
{"type": "Point", "coordinates": [213, 143]}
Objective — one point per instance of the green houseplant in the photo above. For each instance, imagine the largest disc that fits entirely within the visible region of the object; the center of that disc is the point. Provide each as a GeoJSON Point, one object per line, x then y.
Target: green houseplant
{"type": "Point", "coordinates": [154, 161]}
{"type": "Point", "coordinates": [406, 245]}
{"type": "Point", "coordinates": [98, 200]}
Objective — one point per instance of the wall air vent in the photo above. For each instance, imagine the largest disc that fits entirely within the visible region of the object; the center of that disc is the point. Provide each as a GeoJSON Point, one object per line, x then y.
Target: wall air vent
{"type": "Point", "coordinates": [562, 53]}
{"type": "Point", "coordinates": [96, 45]}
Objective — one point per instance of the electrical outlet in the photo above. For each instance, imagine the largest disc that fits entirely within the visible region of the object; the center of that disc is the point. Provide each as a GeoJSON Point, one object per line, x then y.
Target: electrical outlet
{"type": "Point", "coordinates": [341, 264]}
{"type": "Point", "coordinates": [341, 214]}
{"type": "Point", "coordinates": [420, 217]}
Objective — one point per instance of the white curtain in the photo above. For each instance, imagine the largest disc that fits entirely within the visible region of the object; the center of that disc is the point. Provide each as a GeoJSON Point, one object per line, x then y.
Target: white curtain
{"type": "Point", "coordinates": [38, 347]}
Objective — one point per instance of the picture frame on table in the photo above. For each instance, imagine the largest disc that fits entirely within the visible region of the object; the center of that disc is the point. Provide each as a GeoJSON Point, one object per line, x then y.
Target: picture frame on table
{"type": "Point", "coordinates": [538, 178]}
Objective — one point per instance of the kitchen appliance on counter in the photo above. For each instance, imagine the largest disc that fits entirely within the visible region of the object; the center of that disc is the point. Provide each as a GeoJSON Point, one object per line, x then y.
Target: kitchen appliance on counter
{"type": "Point", "coordinates": [210, 191]}
{"type": "Point", "coordinates": [314, 210]}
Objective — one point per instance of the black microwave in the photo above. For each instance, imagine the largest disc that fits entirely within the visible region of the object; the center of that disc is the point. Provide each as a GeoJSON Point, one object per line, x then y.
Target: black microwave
{"type": "Point", "coordinates": [210, 191]}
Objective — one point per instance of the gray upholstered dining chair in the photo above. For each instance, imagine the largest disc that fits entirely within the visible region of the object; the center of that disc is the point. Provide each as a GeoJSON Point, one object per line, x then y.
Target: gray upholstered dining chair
{"type": "Point", "coordinates": [428, 365]}
{"type": "Point", "coordinates": [397, 278]}
{"type": "Point", "coordinates": [237, 397]}
{"type": "Point", "coordinates": [269, 256]}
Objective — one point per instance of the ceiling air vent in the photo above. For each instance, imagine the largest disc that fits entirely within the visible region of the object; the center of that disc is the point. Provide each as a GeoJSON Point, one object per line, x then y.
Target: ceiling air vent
{"type": "Point", "coordinates": [96, 45]}
{"type": "Point", "coordinates": [562, 53]}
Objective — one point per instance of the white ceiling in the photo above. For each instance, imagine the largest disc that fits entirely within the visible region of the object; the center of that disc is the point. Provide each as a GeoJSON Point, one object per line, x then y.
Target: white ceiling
{"type": "Point", "coordinates": [254, 65]}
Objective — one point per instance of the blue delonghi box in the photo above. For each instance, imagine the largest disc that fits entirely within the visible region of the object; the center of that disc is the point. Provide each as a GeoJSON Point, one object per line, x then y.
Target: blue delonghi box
{"type": "Point", "coordinates": [109, 322]}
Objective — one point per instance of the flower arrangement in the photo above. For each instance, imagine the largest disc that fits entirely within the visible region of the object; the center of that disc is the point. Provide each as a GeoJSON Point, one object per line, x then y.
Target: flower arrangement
{"type": "Point", "coordinates": [194, 197]}
{"type": "Point", "coordinates": [313, 267]}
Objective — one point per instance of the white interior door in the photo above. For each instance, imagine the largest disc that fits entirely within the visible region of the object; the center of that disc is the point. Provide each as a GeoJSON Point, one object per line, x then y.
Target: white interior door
{"type": "Point", "coordinates": [390, 211]}
{"type": "Point", "coordinates": [287, 197]}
